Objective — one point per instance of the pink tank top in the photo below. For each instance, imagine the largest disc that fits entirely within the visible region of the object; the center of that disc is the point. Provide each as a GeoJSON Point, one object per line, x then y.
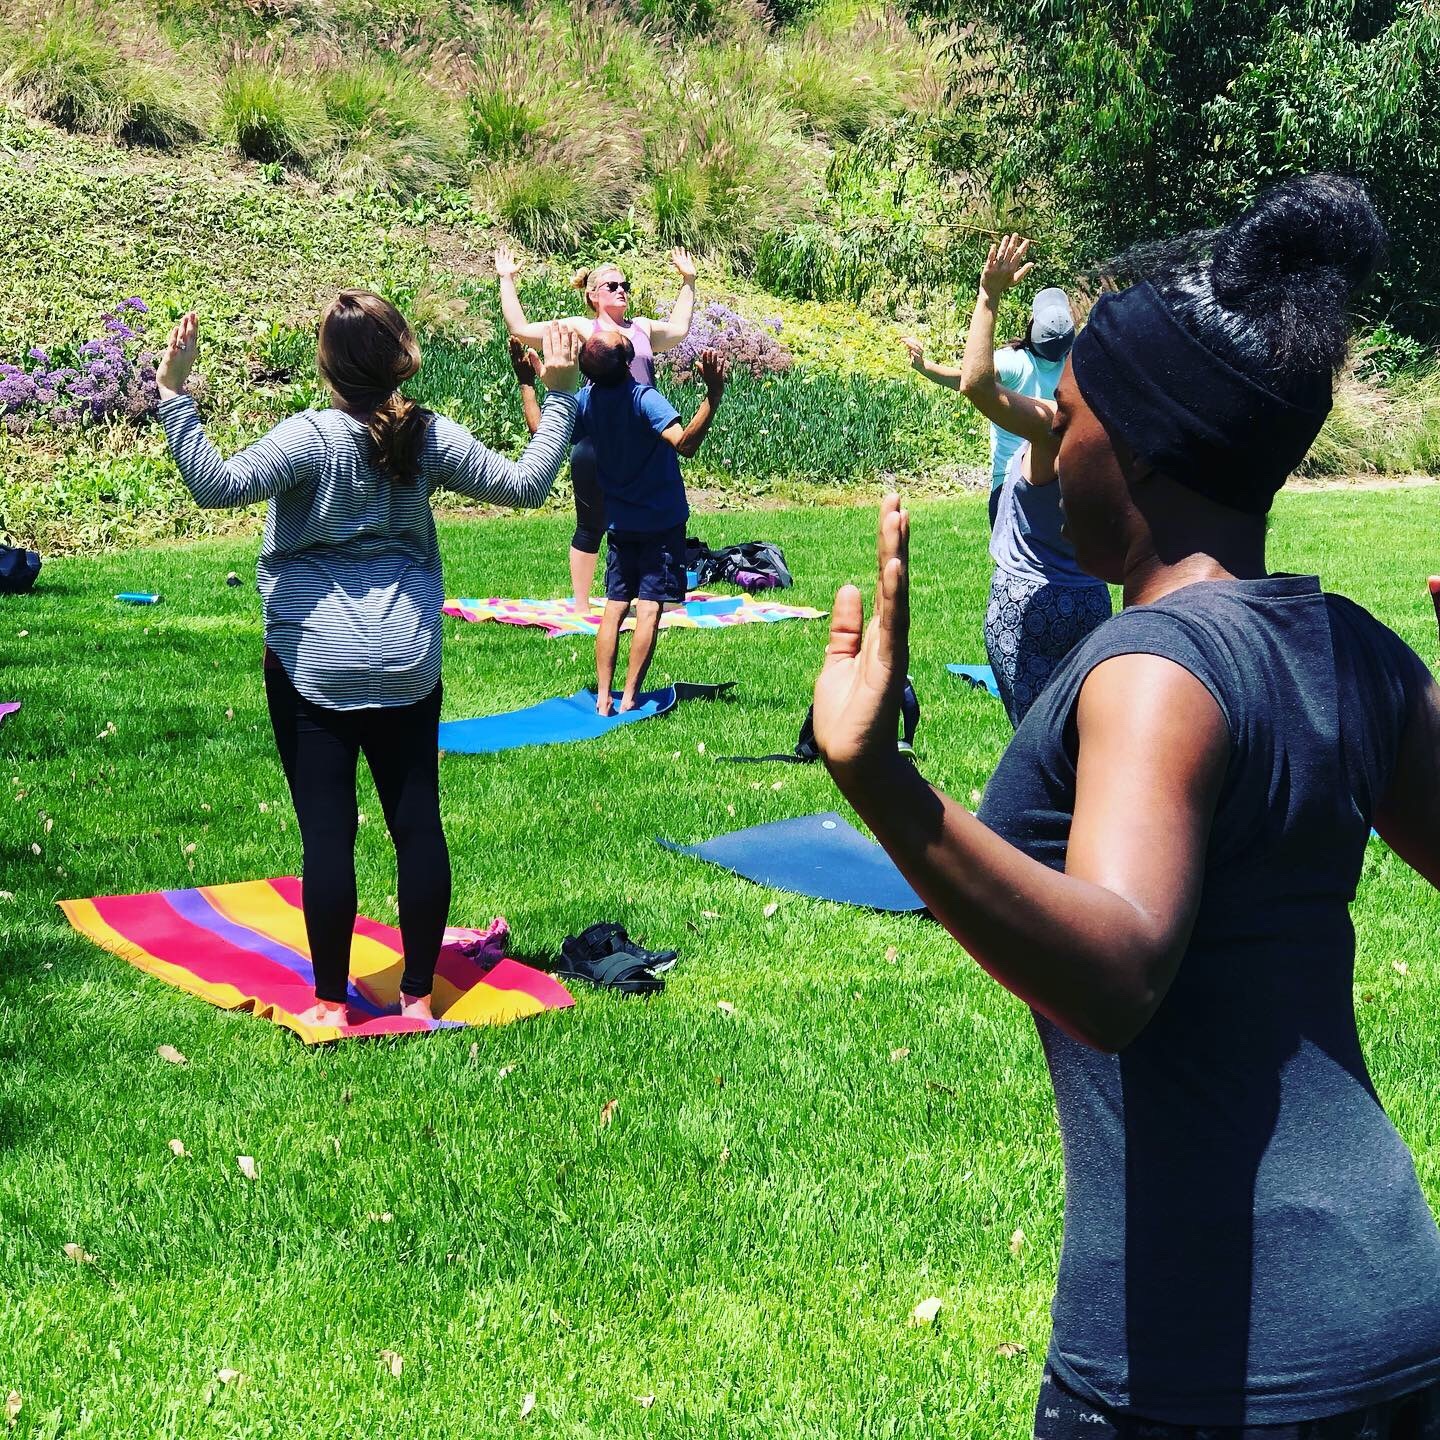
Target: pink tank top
{"type": "Point", "coordinates": [642, 367]}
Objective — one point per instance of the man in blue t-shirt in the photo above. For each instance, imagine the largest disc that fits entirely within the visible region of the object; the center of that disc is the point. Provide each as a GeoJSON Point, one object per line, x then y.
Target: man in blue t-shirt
{"type": "Point", "coordinates": [638, 439]}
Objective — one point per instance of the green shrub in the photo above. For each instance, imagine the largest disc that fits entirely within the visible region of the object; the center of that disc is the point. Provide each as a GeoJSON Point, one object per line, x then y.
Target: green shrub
{"type": "Point", "coordinates": [554, 197]}
{"type": "Point", "coordinates": [394, 132]}
{"type": "Point", "coordinates": [71, 72]}
{"type": "Point", "coordinates": [1390, 429]}
{"type": "Point", "coordinates": [269, 115]}
{"type": "Point", "coordinates": [844, 83]}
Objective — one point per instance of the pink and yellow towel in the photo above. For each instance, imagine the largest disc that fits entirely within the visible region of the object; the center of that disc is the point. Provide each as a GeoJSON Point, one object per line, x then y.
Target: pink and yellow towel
{"type": "Point", "coordinates": [701, 611]}
{"type": "Point", "coordinates": [243, 947]}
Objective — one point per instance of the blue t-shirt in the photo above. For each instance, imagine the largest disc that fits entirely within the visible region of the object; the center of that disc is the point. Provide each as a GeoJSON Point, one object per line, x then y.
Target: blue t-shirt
{"type": "Point", "coordinates": [638, 469]}
{"type": "Point", "coordinates": [1246, 1242]}
{"type": "Point", "coordinates": [1026, 372]}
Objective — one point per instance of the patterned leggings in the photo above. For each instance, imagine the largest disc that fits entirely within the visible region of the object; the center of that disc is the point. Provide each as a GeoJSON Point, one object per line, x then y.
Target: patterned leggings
{"type": "Point", "coordinates": [1030, 627]}
{"type": "Point", "coordinates": [1062, 1415]}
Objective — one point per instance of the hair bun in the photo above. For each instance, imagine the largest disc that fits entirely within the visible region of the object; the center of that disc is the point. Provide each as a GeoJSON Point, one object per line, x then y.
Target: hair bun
{"type": "Point", "coordinates": [580, 280]}
{"type": "Point", "coordinates": [1310, 241]}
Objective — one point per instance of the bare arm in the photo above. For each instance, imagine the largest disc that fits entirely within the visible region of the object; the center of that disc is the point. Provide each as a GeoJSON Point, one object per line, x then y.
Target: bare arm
{"type": "Point", "coordinates": [507, 267]}
{"type": "Point", "coordinates": [668, 333]}
{"type": "Point", "coordinates": [524, 369]}
{"type": "Point", "coordinates": [1094, 948]}
{"type": "Point", "coordinates": [946, 375]}
{"type": "Point", "coordinates": [1408, 817]}
{"type": "Point", "coordinates": [1019, 414]}
{"type": "Point", "coordinates": [687, 440]}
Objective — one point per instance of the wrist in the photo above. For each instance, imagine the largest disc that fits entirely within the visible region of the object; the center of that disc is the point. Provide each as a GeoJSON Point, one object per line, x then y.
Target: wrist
{"type": "Point", "coordinates": [874, 779]}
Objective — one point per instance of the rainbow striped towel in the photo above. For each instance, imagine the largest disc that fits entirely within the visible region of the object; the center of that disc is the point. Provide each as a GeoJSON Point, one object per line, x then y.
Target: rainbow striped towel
{"type": "Point", "coordinates": [243, 947]}
{"type": "Point", "coordinates": [701, 611]}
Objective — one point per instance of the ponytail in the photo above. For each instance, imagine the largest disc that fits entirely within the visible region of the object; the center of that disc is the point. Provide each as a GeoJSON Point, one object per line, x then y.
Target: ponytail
{"type": "Point", "coordinates": [366, 352]}
{"type": "Point", "coordinates": [397, 430]}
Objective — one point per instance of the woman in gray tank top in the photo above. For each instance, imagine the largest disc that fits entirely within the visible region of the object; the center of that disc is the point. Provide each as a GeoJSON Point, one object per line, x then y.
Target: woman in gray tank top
{"type": "Point", "coordinates": [1164, 862]}
{"type": "Point", "coordinates": [1041, 603]}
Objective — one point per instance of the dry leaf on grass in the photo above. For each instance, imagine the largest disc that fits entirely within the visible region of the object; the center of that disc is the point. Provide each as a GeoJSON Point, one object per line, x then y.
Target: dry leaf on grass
{"type": "Point", "coordinates": [706, 914]}
{"type": "Point", "coordinates": [897, 1055]}
{"type": "Point", "coordinates": [506, 1070]}
{"type": "Point", "coordinates": [228, 1377]}
{"type": "Point", "coordinates": [724, 1007]}
{"type": "Point", "coordinates": [771, 908]}
{"type": "Point", "coordinates": [1009, 1349]}
{"type": "Point", "coordinates": [247, 1166]}
{"type": "Point", "coordinates": [926, 1311]}
{"type": "Point", "coordinates": [1400, 967]}
{"type": "Point", "coordinates": [527, 1404]}
{"type": "Point", "coordinates": [392, 1362]}
{"type": "Point", "coordinates": [178, 1150]}
{"type": "Point", "coordinates": [644, 1401]}
{"type": "Point", "coordinates": [891, 955]}
{"type": "Point", "coordinates": [13, 1403]}
{"type": "Point", "coordinates": [79, 1254]}
{"type": "Point", "coordinates": [607, 1112]}
{"type": "Point", "coordinates": [724, 1154]}
{"type": "Point", "coordinates": [171, 1055]}
{"type": "Point", "coordinates": [1017, 1243]}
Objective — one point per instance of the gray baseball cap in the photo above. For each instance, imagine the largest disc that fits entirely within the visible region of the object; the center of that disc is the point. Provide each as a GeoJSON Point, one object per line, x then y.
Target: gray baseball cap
{"type": "Point", "coordinates": [1052, 324]}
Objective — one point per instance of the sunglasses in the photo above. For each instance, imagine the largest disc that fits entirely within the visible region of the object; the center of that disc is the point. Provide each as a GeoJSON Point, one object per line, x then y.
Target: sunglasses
{"type": "Point", "coordinates": [615, 285]}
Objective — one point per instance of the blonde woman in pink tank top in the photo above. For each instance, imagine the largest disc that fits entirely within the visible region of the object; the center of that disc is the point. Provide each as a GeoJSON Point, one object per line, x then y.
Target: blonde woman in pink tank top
{"type": "Point", "coordinates": [607, 297]}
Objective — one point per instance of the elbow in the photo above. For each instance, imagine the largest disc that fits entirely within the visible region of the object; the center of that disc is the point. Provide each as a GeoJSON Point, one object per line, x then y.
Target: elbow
{"type": "Point", "coordinates": [1112, 1032]}
{"type": "Point", "coordinates": [688, 449]}
{"type": "Point", "coordinates": [973, 387]}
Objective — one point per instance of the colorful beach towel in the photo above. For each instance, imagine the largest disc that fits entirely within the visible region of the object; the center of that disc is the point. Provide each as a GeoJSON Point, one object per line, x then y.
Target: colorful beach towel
{"type": "Point", "coordinates": [820, 856]}
{"type": "Point", "coordinates": [701, 611]}
{"type": "Point", "coordinates": [8, 708]}
{"type": "Point", "coordinates": [563, 719]}
{"type": "Point", "coordinates": [243, 947]}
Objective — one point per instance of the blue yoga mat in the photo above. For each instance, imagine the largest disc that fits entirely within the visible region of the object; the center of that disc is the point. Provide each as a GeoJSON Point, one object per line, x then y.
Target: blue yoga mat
{"type": "Point", "coordinates": [981, 677]}
{"type": "Point", "coordinates": [562, 720]}
{"type": "Point", "coordinates": [821, 856]}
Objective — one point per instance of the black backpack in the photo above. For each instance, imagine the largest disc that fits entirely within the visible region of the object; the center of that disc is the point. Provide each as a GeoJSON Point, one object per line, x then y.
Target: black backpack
{"type": "Point", "coordinates": [806, 751]}
{"type": "Point", "coordinates": [18, 569]}
{"type": "Point", "coordinates": [755, 565]}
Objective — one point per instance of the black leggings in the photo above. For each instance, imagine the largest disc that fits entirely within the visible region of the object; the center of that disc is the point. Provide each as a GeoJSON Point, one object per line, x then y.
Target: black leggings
{"type": "Point", "coordinates": [589, 502]}
{"type": "Point", "coordinates": [1063, 1415]}
{"type": "Point", "coordinates": [319, 749]}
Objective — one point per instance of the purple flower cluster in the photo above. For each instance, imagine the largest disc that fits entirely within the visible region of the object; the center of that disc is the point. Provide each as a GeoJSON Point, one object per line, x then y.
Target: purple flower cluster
{"type": "Point", "coordinates": [102, 381]}
{"type": "Point", "coordinates": [747, 346]}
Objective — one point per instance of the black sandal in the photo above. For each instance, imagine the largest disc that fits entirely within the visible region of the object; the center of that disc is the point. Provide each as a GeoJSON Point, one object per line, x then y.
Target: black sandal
{"type": "Point", "coordinates": [605, 955]}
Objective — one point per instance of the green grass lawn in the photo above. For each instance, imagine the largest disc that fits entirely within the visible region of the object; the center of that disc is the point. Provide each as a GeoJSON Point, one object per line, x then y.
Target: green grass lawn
{"type": "Point", "coordinates": [779, 1186]}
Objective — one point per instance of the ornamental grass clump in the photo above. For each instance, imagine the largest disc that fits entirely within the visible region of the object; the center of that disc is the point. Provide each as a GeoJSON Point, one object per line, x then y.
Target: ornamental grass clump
{"type": "Point", "coordinates": [748, 346]}
{"type": "Point", "coordinates": [272, 116]}
{"type": "Point", "coordinates": [99, 380]}
{"type": "Point", "coordinates": [69, 69]}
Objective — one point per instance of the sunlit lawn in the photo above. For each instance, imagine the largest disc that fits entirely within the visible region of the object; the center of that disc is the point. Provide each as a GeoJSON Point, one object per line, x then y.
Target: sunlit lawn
{"type": "Point", "coordinates": [778, 1187]}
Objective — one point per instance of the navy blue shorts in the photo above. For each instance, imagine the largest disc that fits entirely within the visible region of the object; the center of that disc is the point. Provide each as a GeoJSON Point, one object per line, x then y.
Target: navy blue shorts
{"type": "Point", "coordinates": [646, 567]}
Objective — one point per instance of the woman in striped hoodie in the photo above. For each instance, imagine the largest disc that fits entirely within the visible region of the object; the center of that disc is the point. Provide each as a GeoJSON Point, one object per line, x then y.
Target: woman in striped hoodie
{"type": "Point", "coordinates": [350, 574]}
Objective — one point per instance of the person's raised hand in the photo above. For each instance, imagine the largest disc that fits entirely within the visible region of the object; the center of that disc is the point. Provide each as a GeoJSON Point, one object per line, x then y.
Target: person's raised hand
{"type": "Point", "coordinates": [715, 372]}
{"type": "Point", "coordinates": [1005, 266]}
{"type": "Point", "coordinates": [915, 350]}
{"type": "Point", "coordinates": [857, 694]}
{"type": "Point", "coordinates": [181, 351]}
{"type": "Point", "coordinates": [558, 363]}
{"type": "Point", "coordinates": [684, 265]}
{"type": "Point", "coordinates": [522, 362]}
{"type": "Point", "coordinates": [507, 267]}
{"type": "Point", "coordinates": [1434, 584]}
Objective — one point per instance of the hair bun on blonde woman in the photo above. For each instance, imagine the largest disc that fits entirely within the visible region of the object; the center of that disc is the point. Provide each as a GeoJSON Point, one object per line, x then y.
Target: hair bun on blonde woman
{"type": "Point", "coordinates": [580, 280]}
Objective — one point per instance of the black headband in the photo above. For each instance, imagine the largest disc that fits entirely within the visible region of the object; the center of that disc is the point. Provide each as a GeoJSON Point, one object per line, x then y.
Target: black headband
{"type": "Point", "coordinates": [1183, 409]}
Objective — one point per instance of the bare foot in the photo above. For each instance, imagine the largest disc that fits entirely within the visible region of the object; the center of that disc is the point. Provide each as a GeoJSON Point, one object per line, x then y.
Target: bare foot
{"type": "Point", "coordinates": [604, 704]}
{"type": "Point", "coordinates": [323, 1012]}
{"type": "Point", "coordinates": [416, 1007]}
{"type": "Point", "coordinates": [627, 702]}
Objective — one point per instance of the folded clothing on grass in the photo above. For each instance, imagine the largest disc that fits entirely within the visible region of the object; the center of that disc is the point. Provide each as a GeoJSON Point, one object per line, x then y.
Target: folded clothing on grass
{"type": "Point", "coordinates": [701, 611]}
{"type": "Point", "coordinates": [243, 947]}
